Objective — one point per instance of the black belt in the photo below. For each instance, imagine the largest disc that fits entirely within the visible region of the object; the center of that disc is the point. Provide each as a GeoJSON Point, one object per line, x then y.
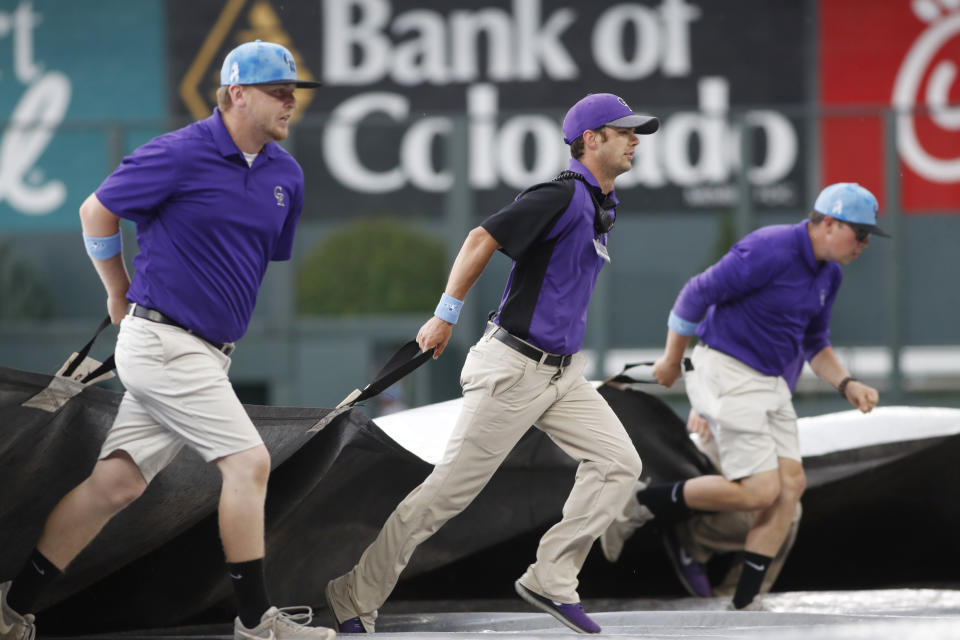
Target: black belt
{"type": "Point", "coordinates": [153, 315]}
{"type": "Point", "coordinates": [518, 345]}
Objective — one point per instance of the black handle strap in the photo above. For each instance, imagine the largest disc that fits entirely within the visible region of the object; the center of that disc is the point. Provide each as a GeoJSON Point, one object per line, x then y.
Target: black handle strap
{"type": "Point", "coordinates": [108, 365]}
{"type": "Point", "coordinates": [404, 361]}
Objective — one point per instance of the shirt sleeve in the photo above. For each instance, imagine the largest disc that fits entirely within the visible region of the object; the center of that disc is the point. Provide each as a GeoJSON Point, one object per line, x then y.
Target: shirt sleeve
{"type": "Point", "coordinates": [141, 183]}
{"type": "Point", "coordinates": [521, 223]}
{"type": "Point", "coordinates": [744, 269]}
{"type": "Point", "coordinates": [817, 336]}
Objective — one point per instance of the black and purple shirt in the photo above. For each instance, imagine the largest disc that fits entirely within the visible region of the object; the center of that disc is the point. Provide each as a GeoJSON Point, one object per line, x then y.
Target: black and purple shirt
{"type": "Point", "coordinates": [207, 224]}
{"type": "Point", "coordinates": [549, 233]}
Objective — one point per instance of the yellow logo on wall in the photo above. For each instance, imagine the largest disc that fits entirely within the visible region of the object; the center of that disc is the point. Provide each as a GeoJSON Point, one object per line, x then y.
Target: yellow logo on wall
{"type": "Point", "coordinates": [199, 85]}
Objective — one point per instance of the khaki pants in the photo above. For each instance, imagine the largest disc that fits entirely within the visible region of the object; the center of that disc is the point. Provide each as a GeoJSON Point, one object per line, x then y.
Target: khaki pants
{"type": "Point", "coordinates": [504, 393]}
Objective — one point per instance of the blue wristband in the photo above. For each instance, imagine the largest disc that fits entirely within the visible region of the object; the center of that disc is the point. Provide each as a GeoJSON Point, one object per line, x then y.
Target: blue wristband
{"type": "Point", "coordinates": [681, 326]}
{"type": "Point", "coordinates": [105, 247]}
{"type": "Point", "coordinates": [448, 309]}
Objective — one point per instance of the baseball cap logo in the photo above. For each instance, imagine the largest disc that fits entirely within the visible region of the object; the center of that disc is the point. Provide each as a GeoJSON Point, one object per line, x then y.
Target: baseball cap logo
{"type": "Point", "coordinates": [623, 102]}
{"type": "Point", "coordinates": [234, 73]}
{"type": "Point", "coordinates": [837, 207]}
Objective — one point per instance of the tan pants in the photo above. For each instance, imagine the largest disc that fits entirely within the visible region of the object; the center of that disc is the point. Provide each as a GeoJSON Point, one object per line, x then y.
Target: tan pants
{"type": "Point", "coordinates": [504, 393]}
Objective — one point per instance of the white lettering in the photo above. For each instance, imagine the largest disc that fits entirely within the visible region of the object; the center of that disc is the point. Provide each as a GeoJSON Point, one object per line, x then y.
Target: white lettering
{"type": "Point", "coordinates": [662, 40]}
{"type": "Point", "coordinates": [482, 110]}
{"type": "Point", "coordinates": [434, 49]}
{"type": "Point", "coordinates": [693, 149]}
{"type": "Point", "coordinates": [416, 151]}
{"type": "Point", "coordinates": [32, 125]}
{"type": "Point", "coordinates": [24, 20]}
{"type": "Point", "coordinates": [548, 153]}
{"type": "Point", "coordinates": [677, 16]}
{"type": "Point", "coordinates": [340, 142]}
{"type": "Point", "coordinates": [466, 27]}
{"type": "Point", "coordinates": [709, 128]}
{"type": "Point", "coordinates": [781, 146]}
{"type": "Point", "coordinates": [541, 46]}
{"type": "Point", "coordinates": [421, 58]}
{"type": "Point", "coordinates": [341, 38]}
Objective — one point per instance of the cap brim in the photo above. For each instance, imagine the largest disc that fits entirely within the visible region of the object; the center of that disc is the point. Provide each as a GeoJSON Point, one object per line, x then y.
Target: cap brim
{"type": "Point", "coordinates": [872, 228]}
{"type": "Point", "coordinates": [641, 124]}
{"type": "Point", "coordinates": [299, 84]}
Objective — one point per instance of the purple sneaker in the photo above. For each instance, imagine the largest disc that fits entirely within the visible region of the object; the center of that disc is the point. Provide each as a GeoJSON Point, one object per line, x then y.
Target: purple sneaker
{"type": "Point", "coordinates": [692, 574]}
{"type": "Point", "coordinates": [353, 625]}
{"type": "Point", "coordinates": [571, 615]}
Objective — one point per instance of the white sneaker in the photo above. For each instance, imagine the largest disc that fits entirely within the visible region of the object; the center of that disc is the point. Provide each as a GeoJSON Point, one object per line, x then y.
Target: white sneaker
{"type": "Point", "coordinates": [14, 626]}
{"type": "Point", "coordinates": [289, 623]}
{"type": "Point", "coordinates": [633, 516]}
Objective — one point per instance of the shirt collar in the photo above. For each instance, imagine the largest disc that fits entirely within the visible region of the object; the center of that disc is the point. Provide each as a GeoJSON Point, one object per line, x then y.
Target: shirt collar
{"type": "Point", "coordinates": [806, 245]}
{"type": "Point", "coordinates": [225, 144]}
{"type": "Point", "coordinates": [576, 165]}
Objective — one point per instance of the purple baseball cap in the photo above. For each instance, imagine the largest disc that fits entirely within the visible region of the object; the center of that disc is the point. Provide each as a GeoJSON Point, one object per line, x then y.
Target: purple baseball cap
{"type": "Point", "coordinates": [261, 62]}
{"type": "Point", "coordinates": [599, 109]}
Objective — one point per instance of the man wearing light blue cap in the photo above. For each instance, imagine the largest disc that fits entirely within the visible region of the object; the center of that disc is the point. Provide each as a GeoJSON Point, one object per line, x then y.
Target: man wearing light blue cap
{"type": "Point", "coordinates": [213, 204]}
{"type": "Point", "coordinates": [763, 306]}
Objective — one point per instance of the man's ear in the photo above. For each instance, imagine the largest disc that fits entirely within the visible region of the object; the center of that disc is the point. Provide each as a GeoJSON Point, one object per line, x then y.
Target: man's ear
{"type": "Point", "coordinates": [237, 95]}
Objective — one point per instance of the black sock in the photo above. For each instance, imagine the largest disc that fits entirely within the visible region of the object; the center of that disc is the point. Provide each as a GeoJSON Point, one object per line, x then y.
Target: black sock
{"type": "Point", "coordinates": [751, 578]}
{"type": "Point", "coordinates": [33, 578]}
{"type": "Point", "coordinates": [666, 502]}
{"type": "Point", "coordinates": [250, 590]}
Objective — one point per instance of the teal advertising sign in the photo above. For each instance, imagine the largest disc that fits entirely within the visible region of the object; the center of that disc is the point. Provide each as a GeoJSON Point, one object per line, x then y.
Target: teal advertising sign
{"type": "Point", "coordinates": [74, 76]}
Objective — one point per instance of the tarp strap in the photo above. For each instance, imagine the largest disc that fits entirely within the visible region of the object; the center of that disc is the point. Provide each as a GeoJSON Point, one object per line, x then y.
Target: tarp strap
{"type": "Point", "coordinates": [405, 360]}
{"type": "Point", "coordinates": [107, 365]}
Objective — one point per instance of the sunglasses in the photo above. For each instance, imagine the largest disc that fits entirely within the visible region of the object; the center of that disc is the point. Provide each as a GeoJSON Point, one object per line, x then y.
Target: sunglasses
{"type": "Point", "coordinates": [860, 232]}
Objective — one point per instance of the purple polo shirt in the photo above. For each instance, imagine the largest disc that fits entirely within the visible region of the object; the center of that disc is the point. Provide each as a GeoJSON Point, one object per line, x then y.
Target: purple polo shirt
{"type": "Point", "coordinates": [767, 301]}
{"type": "Point", "coordinates": [207, 224]}
{"type": "Point", "coordinates": [548, 231]}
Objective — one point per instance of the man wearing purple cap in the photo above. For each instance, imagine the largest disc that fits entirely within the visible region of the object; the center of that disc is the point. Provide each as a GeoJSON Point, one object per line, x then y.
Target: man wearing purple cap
{"type": "Point", "coordinates": [526, 370]}
{"type": "Point", "coordinates": [763, 306]}
{"type": "Point", "coordinates": [213, 204]}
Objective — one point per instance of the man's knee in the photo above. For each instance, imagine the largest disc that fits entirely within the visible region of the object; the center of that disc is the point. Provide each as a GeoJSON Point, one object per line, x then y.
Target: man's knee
{"type": "Point", "coordinates": [794, 483]}
{"type": "Point", "coordinates": [760, 492]}
{"type": "Point", "coordinates": [250, 467]}
{"type": "Point", "coordinates": [116, 481]}
{"type": "Point", "coordinates": [627, 465]}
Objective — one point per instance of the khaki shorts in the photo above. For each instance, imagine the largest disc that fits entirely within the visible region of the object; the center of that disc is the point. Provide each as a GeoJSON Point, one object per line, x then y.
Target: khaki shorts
{"type": "Point", "coordinates": [177, 392]}
{"type": "Point", "coordinates": [750, 413]}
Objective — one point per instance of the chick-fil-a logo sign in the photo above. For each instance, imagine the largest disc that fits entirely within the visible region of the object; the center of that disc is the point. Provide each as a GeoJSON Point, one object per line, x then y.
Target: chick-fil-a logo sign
{"type": "Point", "coordinates": [903, 54]}
{"type": "Point", "coordinates": [923, 62]}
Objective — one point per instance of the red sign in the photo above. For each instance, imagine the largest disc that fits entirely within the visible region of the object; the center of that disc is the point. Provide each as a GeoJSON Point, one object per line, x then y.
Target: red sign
{"type": "Point", "coordinates": [893, 54]}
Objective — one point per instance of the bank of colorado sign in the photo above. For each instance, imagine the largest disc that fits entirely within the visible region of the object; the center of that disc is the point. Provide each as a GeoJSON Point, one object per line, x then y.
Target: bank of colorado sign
{"type": "Point", "coordinates": [399, 76]}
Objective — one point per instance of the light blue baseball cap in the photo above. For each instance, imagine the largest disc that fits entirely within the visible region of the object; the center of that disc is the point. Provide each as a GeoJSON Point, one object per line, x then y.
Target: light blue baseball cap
{"type": "Point", "coordinates": [261, 62]}
{"type": "Point", "coordinates": [851, 203]}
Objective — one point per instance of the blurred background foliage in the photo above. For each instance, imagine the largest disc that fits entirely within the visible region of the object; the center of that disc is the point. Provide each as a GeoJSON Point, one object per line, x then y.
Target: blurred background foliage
{"type": "Point", "coordinates": [373, 266]}
{"type": "Point", "coordinates": [23, 293]}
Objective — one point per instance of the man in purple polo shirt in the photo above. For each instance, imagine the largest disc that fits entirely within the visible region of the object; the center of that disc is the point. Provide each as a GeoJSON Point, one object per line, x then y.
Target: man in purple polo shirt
{"type": "Point", "coordinates": [526, 370]}
{"type": "Point", "coordinates": [763, 306]}
{"type": "Point", "coordinates": [213, 204]}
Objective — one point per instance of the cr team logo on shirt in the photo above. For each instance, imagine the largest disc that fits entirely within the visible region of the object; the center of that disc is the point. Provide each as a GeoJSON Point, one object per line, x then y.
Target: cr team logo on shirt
{"type": "Point", "coordinates": [280, 196]}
